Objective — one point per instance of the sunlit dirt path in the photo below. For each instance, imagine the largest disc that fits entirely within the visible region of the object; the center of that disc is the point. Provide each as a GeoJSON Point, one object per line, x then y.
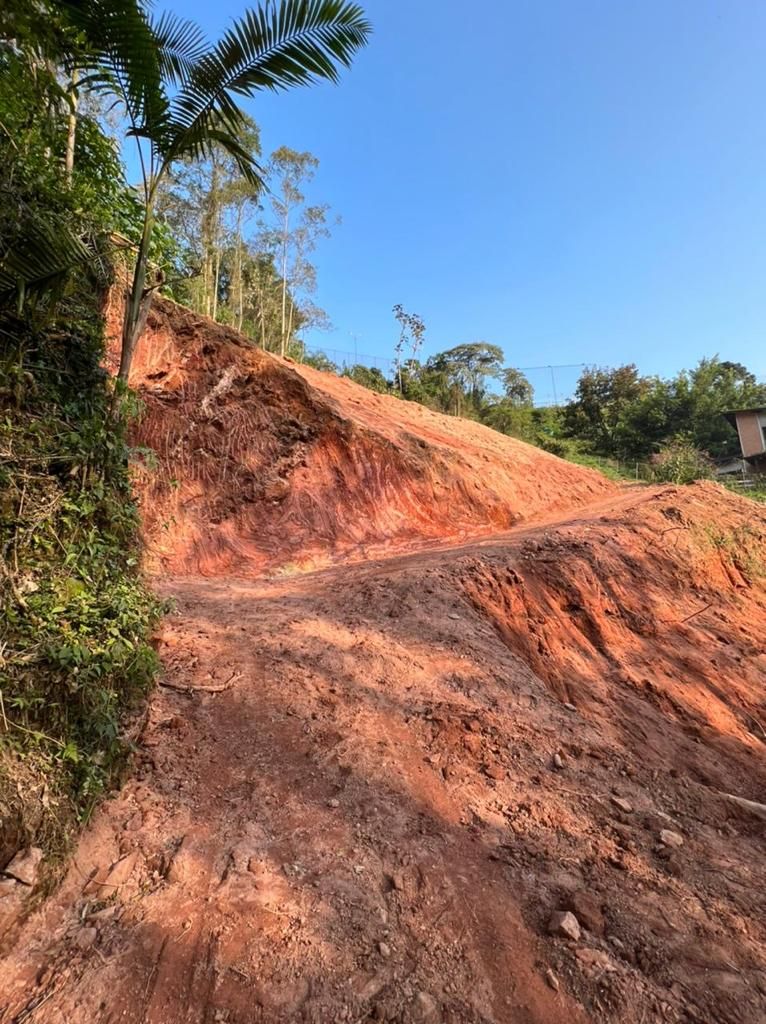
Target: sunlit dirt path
{"type": "Point", "coordinates": [354, 799]}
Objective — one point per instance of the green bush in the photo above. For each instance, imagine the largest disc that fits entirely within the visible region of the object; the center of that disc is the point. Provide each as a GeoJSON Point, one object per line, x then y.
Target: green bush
{"type": "Point", "coordinates": [679, 462]}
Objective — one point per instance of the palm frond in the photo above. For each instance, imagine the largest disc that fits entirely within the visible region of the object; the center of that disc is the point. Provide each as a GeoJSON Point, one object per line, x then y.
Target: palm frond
{"type": "Point", "coordinates": [293, 42]}
{"type": "Point", "coordinates": [40, 258]}
{"type": "Point", "coordinates": [182, 44]}
{"type": "Point", "coordinates": [120, 50]}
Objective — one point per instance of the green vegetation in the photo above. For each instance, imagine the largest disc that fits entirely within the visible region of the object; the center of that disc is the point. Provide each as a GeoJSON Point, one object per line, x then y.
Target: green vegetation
{"type": "Point", "coordinates": [679, 462]}
{"type": "Point", "coordinates": [756, 493]}
{"type": "Point", "coordinates": [76, 614]}
{"type": "Point", "coordinates": [245, 259]}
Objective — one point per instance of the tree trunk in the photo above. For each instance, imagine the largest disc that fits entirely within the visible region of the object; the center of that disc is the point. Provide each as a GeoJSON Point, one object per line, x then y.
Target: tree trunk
{"type": "Point", "coordinates": [290, 326]}
{"type": "Point", "coordinates": [72, 128]}
{"type": "Point", "coordinates": [216, 280]}
{"type": "Point", "coordinates": [138, 303]}
{"type": "Point", "coordinates": [284, 280]}
{"type": "Point", "coordinates": [240, 300]}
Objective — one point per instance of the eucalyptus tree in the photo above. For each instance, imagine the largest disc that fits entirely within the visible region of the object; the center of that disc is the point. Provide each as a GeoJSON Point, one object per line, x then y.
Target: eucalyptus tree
{"type": "Point", "coordinates": [290, 234]}
{"type": "Point", "coordinates": [411, 331]}
{"type": "Point", "coordinates": [181, 94]}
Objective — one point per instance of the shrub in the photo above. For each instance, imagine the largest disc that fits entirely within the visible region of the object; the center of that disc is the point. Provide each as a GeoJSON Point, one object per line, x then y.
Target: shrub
{"type": "Point", "coordinates": [679, 462]}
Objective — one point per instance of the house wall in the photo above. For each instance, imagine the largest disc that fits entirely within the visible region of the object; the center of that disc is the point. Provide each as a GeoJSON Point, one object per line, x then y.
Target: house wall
{"type": "Point", "coordinates": [750, 433]}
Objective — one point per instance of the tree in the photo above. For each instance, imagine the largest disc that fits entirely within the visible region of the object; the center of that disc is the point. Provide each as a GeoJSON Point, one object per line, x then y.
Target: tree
{"type": "Point", "coordinates": [618, 413]}
{"type": "Point", "coordinates": [320, 361]}
{"type": "Point", "coordinates": [602, 399]}
{"type": "Point", "coordinates": [292, 235]}
{"type": "Point", "coordinates": [369, 377]}
{"type": "Point", "coordinates": [206, 204]}
{"type": "Point", "coordinates": [180, 94]}
{"type": "Point", "coordinates": [467, 367]}
{"type": "Point", "coordinates": [518, 390]}
{"type": "Point", "coordinates": [411, 332]}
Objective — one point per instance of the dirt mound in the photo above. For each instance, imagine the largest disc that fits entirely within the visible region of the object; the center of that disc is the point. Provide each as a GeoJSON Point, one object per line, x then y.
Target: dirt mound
{"type": "Point", "coordinates": [264, 464]}
{"type": "Point", "coordinates": [362, 793]}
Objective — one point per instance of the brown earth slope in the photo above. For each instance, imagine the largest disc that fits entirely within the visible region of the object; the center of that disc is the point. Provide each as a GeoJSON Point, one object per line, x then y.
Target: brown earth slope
{"type": "Point", "coordinates": [362, 792]}
{"type": "Point", "coordinates": [263, 464]}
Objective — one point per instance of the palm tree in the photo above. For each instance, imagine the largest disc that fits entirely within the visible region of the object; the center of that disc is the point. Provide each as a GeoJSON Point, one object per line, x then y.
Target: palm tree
{"type": "Point", "coordinates": [180, 93]}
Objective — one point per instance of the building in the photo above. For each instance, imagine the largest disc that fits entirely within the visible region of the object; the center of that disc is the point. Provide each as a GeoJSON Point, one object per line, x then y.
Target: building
{"type": "Point", "coordinates": [750, 424]}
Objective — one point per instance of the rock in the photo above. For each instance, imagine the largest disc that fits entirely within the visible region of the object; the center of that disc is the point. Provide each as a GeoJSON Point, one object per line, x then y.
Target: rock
{"type": "Point", "coordinates": [384, 949]}
{"type": "Point", "coordinates": [25, 866]}
{"type": "Point", "coordinates": [564, 924]}
{"type": "Point", "coordinates": [333, 803]}
{"type": "Point", "coordinates": [551, 980]}
{"type": "Point", "coordinates": [558, 762]}
{"type": "Point", "coordinates": [472, 742]}
{"type": "Point", "coordinates": [496, 772]}
{"type": "Point", "coordinates": [569, 707]}
{"type": "Point", "coordinates": [596, 958]}
{"type": "Point", "coordinates": [120, 873]}
{"type": "Point", "coordinates": [183, 863]}
{"type": "Point", "coordinates": [86, 937]}
{"type": "Point", "coordinates": [425, 1009]}
{"type": "Point", "coordinates": [134, 823]}
{"type": "Point", "coordinates": [671, 838]}
{"type": "Point", "coordinates": [587, 910]}
{"type": "Point", "coordinates": [623, 804]}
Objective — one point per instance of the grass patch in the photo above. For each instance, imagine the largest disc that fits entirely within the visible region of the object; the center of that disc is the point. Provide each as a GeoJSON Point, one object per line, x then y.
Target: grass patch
{"type": "Point", "coordinates": [755, 493]}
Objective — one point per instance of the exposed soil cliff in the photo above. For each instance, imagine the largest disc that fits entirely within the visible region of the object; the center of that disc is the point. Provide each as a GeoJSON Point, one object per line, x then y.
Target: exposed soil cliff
{"type": "Point", "coordinates": [264, 464]}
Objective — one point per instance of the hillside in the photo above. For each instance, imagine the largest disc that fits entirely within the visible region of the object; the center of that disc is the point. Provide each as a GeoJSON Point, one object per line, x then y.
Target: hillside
{"type": "Point", "coordinates": [374, 791]}
{"type": "Point", "coordinates": [264, 464]}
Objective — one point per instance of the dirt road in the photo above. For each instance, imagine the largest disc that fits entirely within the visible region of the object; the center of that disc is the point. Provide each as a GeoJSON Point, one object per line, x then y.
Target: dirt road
{"type": "Point", "coordinates": [355, 800]}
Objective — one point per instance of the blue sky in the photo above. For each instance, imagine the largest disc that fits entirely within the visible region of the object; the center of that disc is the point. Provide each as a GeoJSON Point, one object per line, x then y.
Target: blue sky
{"type": "Point", "coordinates": [577, 181]}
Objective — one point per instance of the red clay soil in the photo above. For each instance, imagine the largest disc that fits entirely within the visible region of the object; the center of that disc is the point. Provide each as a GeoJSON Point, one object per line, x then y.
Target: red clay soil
{"type": "Point", "coordinates": [264, 464]}
{"type": "Point", "coordinates": [362, 792]}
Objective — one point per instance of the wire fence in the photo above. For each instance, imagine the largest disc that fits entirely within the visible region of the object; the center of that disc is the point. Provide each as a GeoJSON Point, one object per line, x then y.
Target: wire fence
{"type": "Point", "coordinates": [553, 385]}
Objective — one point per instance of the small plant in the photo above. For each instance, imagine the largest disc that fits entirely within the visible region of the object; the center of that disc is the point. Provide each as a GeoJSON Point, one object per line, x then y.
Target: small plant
{"type": "Point", "coordinates": [679, 462]}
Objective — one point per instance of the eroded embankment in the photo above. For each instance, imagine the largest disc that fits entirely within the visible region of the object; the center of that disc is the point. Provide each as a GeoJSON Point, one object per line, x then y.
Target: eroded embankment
{"type": "Point", "coordinates": [362, 793]}
{"type": "Point", "coordinates": [663, 603]}
{"type": "Point", "coordinates": [262, 465]}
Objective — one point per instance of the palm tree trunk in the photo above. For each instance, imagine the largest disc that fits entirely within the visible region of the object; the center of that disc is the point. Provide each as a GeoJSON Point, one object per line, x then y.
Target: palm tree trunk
{"type": "Point", "coordinates": [138, 302]}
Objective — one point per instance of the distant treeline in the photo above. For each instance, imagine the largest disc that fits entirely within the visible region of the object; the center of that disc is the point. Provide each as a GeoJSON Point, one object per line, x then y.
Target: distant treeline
{"type": "Point", "coordinates": [615, 413]}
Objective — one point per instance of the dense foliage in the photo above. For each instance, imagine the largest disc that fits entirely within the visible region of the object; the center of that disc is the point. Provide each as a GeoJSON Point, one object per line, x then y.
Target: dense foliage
{"type": "Point", "coordinates": [76, 615]}
{"type": "Point", "coordinates": [622, 414]}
